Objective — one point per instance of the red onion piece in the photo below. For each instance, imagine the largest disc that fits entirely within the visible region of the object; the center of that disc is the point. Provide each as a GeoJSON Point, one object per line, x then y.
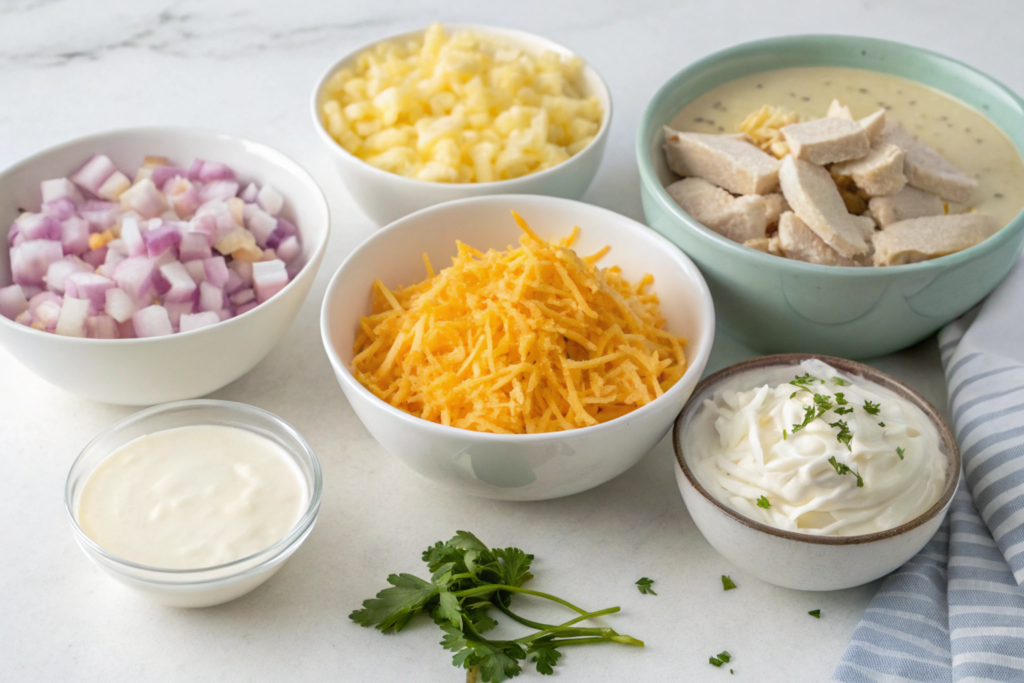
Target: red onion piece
{"type": "Point", "coordinates": [211, 297]}
{"type": "Point", "coordinates": [261, 224]}
{"type": "Point", "coordinates": [216, 271]}
{"type": "Point", "coordinates": [135, 276]}
{"type": "Point", "coordinates": [270, 200]}
{"type": "Point", "coordinates": [60, 209]}
{"type": "Point", "coordinates": [250, 193]}
{"type": "Point", "coordinates": [214, 170]}
{"type": "Point", "coordinates": [269, 278]}
{"type": "Point", "coordinates": [152, 321]}
{"type": "Point", "coordinates": [94, 173]}
{"type": "Point", "coordinates": [89, 286]}
{"type": "Point", "coordinates": [144, 198]}
{"type": "Point", "coordinates": [160, 239]}
{"type": "Point", "coordinates": [36, 226]}
{"type": "Point", "coordinates": [74, 235]}
{"type": "Point", "coordinates": [58, 271]}
{"type": "Point", "coordinates": [119, 305]}
{"type": "Point", "coordinates": [60, 188]}
{"type": "Point", "coordinates": [12, 301]}
{"type": "Point", "coordinates": [196, 321]}
{"type": "Point", "coordinates": [101, 327]}
{"type": "Point", "coordinates": [31, 259]}
{"type": "Point", "coordinates": [182, 287]}
{"type": "Point", "coordinates": [222, 190]}
{"type": "Point", "coordinates": [194, 245]}
{"type": "Point", "coordinates": [71, 321]}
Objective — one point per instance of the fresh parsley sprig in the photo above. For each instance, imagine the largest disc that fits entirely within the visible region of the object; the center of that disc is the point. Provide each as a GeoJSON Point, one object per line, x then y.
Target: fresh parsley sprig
{"type": "Point", "coordinates": [805, 380]}
{"type": "Point", "coordinates": [644, 586]}
{"type": "Point", "coordinates": [763, 502]}
{"type": "Point", "coordinates": [871, 408]}
{"type": "Point", "coordinates": [842, 468]}
{"type": "Point", "coordinates": [468, 579]}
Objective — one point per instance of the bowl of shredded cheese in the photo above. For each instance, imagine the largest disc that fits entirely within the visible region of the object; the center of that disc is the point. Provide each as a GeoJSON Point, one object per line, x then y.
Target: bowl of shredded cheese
{"type": "Point", "coordinates": [461, 111]}
{"type": "Point", "coordinates": [517, 347]}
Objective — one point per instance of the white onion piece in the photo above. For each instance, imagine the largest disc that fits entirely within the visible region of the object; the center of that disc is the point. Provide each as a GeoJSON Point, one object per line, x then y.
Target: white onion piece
{"type": "Point", "coordinates": [73, 313]}
{"type": "Point", "coordinates": [94, 173]}
{"type": "Point", "coordinates": [270, 200]}
{"type": "Point", "coordinates": [12, 301]}
{"type": "Point", "coordinates": [59, 188]}
{"type": "Point", "coordinates": [152, 321]}
{"type": "Point", "coordinates": [196, 321]}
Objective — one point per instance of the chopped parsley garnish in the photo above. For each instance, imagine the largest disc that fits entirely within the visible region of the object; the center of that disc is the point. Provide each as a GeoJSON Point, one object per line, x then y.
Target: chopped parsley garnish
{"type": "Point", "coordinates": [805, 380]}
{"type": "Point", "coordinates": [900, 452]}
{"type": "Point", "coordinates": [721, 658]}
{"type": "Point", "coordinates": [881, 424]}
{"type": "Point", "coordinates": [841, 399]}
{"type": "Point", "coordinates": [871, 408]}
{"type": "Point", "coordinates": [843, 410]}
{"type": "Point", "coordinates": [727, 584]}
{"type": "Point", "coordinates": [816, 613]}
{"type": "Point", "coordinates": [844, 436]}
{"type": "Point", "coordinates": [783, 434]}
{"type": "Point", "coordinates": [844, 469]}
{"type": "Point", "coordinates": [644, 585]}
{"type": "Point", "coordinates": [840, 381]}
{"type": "Point", "coordinates": [822, 404]}
{"type": "Point", "coordinates": [763, 502]}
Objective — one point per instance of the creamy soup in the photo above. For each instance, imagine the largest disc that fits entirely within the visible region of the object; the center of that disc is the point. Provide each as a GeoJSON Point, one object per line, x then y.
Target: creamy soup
{"type": "Point", "coordinates": [964, 136]}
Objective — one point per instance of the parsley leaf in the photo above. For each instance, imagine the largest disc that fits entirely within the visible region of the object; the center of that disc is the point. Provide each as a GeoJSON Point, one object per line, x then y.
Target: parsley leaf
{"type": "Point", "coordinates": [763, 502]}
{"type": "Point", "coordinates": [844, 436]}
{"type": "Point", "coordinates": [871, 408]}
{"type": "Point", "coordinates": [816, 613]}
{"type": "Point", "coordinates": [841, 399]}
{"type": "Point", "coordinates": [822, 404]}
{"type": "Point", "coordinates": [721, 658]}
{"type": "Point", "coordinates": [727, 584]}
{"type": "Point", "coordinates": [840, 381]}
{"type": "Point", "coordinates": [644, 586]}
{"type": "Point", "coordinates": [844, 469]}
{"type": "Point", "coordinates": [881, 424]}
{"type": "Point", "coordinates": [714, 661]}
{"type": "Point", "coordinates": [843, 410]}
{"type": "Point", "coordinates": [805, 380]}
{"type": "Point", "coordinates": [468, 579]}
{"type": "Point", "coordinates": [900, 452]}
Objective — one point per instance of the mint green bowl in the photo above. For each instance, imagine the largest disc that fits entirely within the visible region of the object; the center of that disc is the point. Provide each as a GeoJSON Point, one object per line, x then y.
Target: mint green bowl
{"type": "Point", "coordinates": [777, 305]}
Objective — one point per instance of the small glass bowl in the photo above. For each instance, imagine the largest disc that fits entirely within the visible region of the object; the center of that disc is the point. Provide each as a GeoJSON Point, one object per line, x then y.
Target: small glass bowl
{"type": "Point", "coordinates": [210, 585]}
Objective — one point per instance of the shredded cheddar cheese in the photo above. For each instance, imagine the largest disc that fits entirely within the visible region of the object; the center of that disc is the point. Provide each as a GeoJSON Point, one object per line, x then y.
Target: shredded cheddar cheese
{"type": "Point", "coordinates": [763, 127]}
{"type": "Point", "coordinates": [527, 340]}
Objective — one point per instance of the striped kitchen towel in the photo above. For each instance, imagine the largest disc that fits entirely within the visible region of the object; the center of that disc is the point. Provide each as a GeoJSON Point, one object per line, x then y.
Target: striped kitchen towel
{"type": "Point", "coordinates": [955, 612]}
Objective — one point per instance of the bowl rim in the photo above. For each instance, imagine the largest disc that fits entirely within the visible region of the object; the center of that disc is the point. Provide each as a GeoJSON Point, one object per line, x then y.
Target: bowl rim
{"type": "Point", "coordinates": [946, 439]}
{"type": "Point", "coordinates": [296, 533]}
{"type": "Point", "coordinates": [755, 258]}
{"type": "Point", "coordinates": [277, 157]}
{"type": "Point", "coordinates": [454, 189]}
{"type": "Point", "coordinates": [705, 337]}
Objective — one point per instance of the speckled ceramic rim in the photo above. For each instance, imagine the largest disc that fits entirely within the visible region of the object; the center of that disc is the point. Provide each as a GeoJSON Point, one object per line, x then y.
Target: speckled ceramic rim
{"type": "Point", "coordinates": [792, 359]}
{"type": "Point", "coordinates": [758, 259]}
{"type": "Point", "coordinates": [271, 553]}
{"type": "Point", "coordinates": [513, 36]}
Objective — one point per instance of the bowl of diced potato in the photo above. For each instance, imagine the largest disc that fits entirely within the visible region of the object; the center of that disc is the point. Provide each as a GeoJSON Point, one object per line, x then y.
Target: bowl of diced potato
{"type": "Point", "coordinates": [461, 111]}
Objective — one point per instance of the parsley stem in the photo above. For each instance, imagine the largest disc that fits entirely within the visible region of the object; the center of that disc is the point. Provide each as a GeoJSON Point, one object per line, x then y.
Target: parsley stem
{"type": "Point", "coordinates": [564, 630]}
{"type": "Point", "coordinates": [484, 590]}
{"type": "Point", "coordinates": [624, 640]}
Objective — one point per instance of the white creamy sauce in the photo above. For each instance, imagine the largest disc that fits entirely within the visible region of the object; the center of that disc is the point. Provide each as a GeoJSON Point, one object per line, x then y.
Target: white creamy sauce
{"type": "Point", "coordinates": [743, 447]}
{"type": "Point", "coordinates": [192, 497]}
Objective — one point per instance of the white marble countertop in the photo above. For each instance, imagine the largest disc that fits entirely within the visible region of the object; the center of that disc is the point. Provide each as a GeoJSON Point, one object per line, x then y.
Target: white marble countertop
{"type": "Point", "coordinates": [246, 68]}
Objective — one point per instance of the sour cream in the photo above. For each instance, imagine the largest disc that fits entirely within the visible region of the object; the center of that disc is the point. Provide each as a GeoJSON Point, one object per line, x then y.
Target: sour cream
{"type": "Point", "coordinates": [192, 497]}
{"type": "Point", "coordinates": [747, 447]}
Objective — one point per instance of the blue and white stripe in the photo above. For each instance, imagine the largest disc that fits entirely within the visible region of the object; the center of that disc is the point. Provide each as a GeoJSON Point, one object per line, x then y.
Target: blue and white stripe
{"type": "Point", "coordinates": [955, 612]}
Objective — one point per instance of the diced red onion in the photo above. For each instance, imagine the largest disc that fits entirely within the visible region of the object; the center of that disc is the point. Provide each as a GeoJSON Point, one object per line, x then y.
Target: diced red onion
{"type": "Point", "coordinates": [216, 271]}
{"type": "Point", "coordinates": [31, 259]}
{"type": "Point", "coordinates": [37, 226]}
{"type": "Point", "coordinates": [58, 271]}
{"type": "Point", "coordinates": [126, 330]}
{"type": "Point", "coordinates": [196, 270]}
{"type": "Point", "coordinates": [211, 298]}
{"type": "Point", "coordinates": [261, 224]}
{"type": "Point", "coordinates": [214, 170]}
{"type": "Point", "coordinates": [152, 321]}
{"type": "Point", "coordinates": [161, 174]}
{"type": "Point", "coordinates": [182, 286]}
{"type": "Point", "coordinates": [100, 215]}
{"type": "Point", "coordinates": [244, 270]}
{"type": "Point", "coordinates": [74, 235]}
{"type": "Point", "coordinates": [114, 186]}
{"type": "Point", "coordinates": [71, 322]}
{"type": "Point", "coordinates": [119, 305]}
{"type": "Point", "coordinates": [160, 239]}
{"type": "Point", "coordinates": [195, 169]}
{"type": "Point", "coordinates": [270, 200]}
{"type": "Point", "coordinates": [144, 198]}
{"type": "Point", "coordinates": [94, 173]}
{"type": "Point", "coordinates": [194, 245]}
{"type": "Point", "coordinates": [60, 188]}
{"type": "Point", "coordinates": [269, 278]}
{"type": "Point", "coordinates": [60, 209]}
{"type": "Point", "coordinates": [135, 276]}
{"type": "Point", "coordinates": [234, 282]}
{"type": "Point", "coordinates": [250, 193]}
{"type": "Point", "coordinates": [222, 190]}
{"type": "Point", "coordinates": [245, 308]}
{"type": "Point", "coordinates": [196, 321]}
{"type": "Point", "coordinates": [243, 296]}
{"type": "Point", "coordinates": [96, 257]}
{"type": "Point", "coordinates": [131, 236]}
{"type": "Point", "coordinates": [289, 249]}
{"type": "Point", "coordinates": [12, 301]}
{"type": "Point", "coordinates": [176, 310]}
{"type": "Point", "coordinates": [89, 286]}
{"type": "Point", "coordinates": [101, 327]}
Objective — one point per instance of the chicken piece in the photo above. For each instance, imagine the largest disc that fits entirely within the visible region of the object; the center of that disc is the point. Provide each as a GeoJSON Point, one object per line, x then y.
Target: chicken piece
{"type": "Point", "coordinates": [810, 190]}
{"type": "Point", "coordinates": [758, 243]}
{"type": "Point", "coordinates": [926, 169]}
{"type": "Point", "coordinates": [909, 202]}
{"type": "Point", "coordinates": [873, 124]}
{"type": "Point", "coordinates": [775, 205]}
{"type": "Point", "coordinates": [738, 218]}
{"type": "Point", "coordinates": [799, 242]}
{"type": "Point", "coordinates": [735, 165]}
{"type": "Point", "coordinates": [920, 239]}
{"type": "Point", "coordinates": [826, 141]}
{"type": "Point", "coordinates": [879, 174]}
{"type": "Point", "coordinates": [866, 224]}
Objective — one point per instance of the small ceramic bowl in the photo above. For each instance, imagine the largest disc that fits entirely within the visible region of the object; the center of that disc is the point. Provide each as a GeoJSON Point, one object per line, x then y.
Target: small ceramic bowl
{"type": "Point", "coordinates": [796, 560]}
{"type": "Point", "coordinates": [386, 197]}
{"type": "Point", "coordinates": [179, 366]}
{"type": "Point", "coordinates": [516, 466]}
{"type": "Point", "coordinates": [779, 305]}
{"type": "Point", "coordinates": [211, 585]}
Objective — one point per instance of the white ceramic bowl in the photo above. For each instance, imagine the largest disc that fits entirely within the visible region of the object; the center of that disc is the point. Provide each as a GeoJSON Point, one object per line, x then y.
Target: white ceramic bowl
{"type": "Point", "coordinates": [179, 366]}
{"type": "Point", "coordinates": [531, 466]}
{"type": "Point", "coordinates": [795, 560]}
{"type": "Point", "coordinates": [211, 585]}
{"type": "Point", "coordinates": [386, 197]}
